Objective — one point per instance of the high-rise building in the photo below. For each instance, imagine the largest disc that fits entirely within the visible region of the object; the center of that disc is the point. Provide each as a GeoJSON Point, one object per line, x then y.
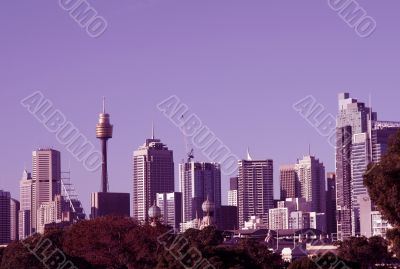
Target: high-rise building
{"type": "Point", "coordinates": [199, 182]}
{"type": "Point", "coordinates": [353, 118]}
{"type": "Point", "coordinates": [361, 139]}
{"type": "Point", "coordinates": [153, 172]}
{"type": "Point", "coordinates": [255, 190]}
{"type": "Point", "coordinates": [368, 147]}
{"type": "Point", "coordinates": [233, 191]}
{"type": "Point", "coordinates": [311, 175]}
{"type": "Point", "coordinates": [5, 224]}
{"type": "Point", "coordinates": [46, 175]}
{"type": "Point", "coordinates": [331, 204]}
{"type": "Point", "coordinates": [290, 184]}
{"type": "Point", "coordinates": [14, 222]}
{"type": "Point", "coordinates": [25, 198]}
{"type": "Point", "coordinates": [171, 208]}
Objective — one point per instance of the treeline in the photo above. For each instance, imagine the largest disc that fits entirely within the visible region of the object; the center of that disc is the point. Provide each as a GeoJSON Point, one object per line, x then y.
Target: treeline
{"type": "Point", "coordinates": [121, 243]}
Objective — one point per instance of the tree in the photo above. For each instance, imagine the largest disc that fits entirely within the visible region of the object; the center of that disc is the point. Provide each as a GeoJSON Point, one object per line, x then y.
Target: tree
{"type": "Point", "coordinates": [366, 252]}
{"type": "Point", "coordinates": [383, 182]}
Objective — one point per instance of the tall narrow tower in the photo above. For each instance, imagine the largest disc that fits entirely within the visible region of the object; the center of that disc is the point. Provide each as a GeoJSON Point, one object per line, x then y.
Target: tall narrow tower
{"type": "Point", "coordinates": [104, 132]}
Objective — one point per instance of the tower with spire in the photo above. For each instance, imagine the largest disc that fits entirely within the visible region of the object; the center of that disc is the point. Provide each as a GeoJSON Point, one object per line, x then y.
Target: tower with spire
{"type": "Point", "coordinates": [104, 131]}
{"type": "Point", "coordinates": [105, 203]}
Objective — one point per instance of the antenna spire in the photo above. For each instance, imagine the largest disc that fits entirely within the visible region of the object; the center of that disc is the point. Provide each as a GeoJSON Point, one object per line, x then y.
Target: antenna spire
{"type": "Point", "coordinates": [152, 130]}
{"type": "Point", "coordinates": [104, 105]}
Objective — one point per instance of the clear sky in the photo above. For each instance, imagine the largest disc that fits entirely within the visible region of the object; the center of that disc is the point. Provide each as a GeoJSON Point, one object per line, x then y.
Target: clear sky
{"type": "Point", "coordinates": [239, 65]}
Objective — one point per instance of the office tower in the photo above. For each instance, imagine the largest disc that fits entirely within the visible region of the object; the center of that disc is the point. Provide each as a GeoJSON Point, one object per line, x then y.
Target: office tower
{"type": "Point", "coordinates": [331, 204]}
{"type": "Point", "coordinates": [353, 118]}
{"type": "Point", "coordinates": [311, 175]}
{"type": "Point", "coordinates": [361, 139]}
{"type": "Point", "coordinates": [5, 225]}
{"type": "Point", "coordinates": [153, 172]}
{"type": "Point", "coordinates": [25, 198]}
{"type": "Point", "coordinates": [368, 147]}
{"type": "Point", "coordinates": [279, 218]}
{"type": "Point", "coordinates": [14, 222]}
{"type": "Point", "coordinates": [107, 203]}
{"type": "Point", "coordinates": [233, 191]}
{"type": "Point", "coordinates": [199, 182]}
{"type": "Point", "coordinates": [46, 176]}
{"type": "Point", "coordinates": [290, 184]}
{"type": "Point", "coordinates": [255, 190]}
{"type": "Point", "coordinates": [104, 131]}
{"type": "Point", "coordinates": [171, 208]}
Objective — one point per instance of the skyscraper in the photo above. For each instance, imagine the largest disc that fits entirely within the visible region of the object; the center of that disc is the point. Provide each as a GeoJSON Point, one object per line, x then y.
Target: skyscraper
{"type": "Point", "coordinates": [311, 175]}
{"type": "Point", "coordinates": [153, 172]}
{"type": "Point", "coordinates": [14, 210]}
{"type": "Point", "coordinates": [199, 182]}
{"type": "Point", "coordinates": [353, 118]}
{"type": "Point", "coordinates": [25, 197]}
{"type": "Point", "coordinates": [46, 175]}
{"type": "Point", "coordinates": [331, 204]}
{"type": "Point", "coordinates": [255, 190]}
{"type": "Point", "coordinates": [233, 192]}
{"type": "Point", "coordinates": [290, 184]}
{"type": "Point", "coordinates": [5, 224]}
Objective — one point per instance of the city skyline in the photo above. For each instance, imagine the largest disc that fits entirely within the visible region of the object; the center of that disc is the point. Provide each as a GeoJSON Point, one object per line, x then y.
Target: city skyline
{"type": "Point", "coordinates": [225, 189]}
{"type": "Point", "coordinates": [237, 60]}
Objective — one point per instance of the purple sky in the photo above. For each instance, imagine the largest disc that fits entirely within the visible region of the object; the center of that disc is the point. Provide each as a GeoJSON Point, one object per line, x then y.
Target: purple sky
{"type": "Point", "coordinates": [239, 65]}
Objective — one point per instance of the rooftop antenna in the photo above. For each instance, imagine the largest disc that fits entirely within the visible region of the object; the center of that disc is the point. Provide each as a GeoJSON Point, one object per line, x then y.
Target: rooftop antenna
{"type": "Point", "coordinates": [152, 130]}
{"type": "Point", "coordinates": [104, 105]}
{"type": "Point", "coordinates": [309, 149]}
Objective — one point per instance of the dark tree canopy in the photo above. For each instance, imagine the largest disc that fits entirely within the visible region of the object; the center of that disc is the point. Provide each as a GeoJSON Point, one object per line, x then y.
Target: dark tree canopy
{"type": "Point", "coordinates": [383, 182]}
{"type": "Point", "coordinates": [121, 243]}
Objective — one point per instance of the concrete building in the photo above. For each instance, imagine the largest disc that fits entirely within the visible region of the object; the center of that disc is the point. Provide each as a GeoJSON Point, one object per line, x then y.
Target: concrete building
{"type": "Point", "coordinates": [353, 118]}
{"type": "Point", "coordinates": [5, 217]}
{"type": "Point", "coordinates": [46, 176]}
{"type": "Point", "coordinates": [197, 183]}
{"type": "Point", "coordinates": [171, 208]}
{"type": "Point", "coordinates": [255, 190]}
{"type": "Point", "coordinates": [279, 219]}
{"type": "Point", "coordinates": [331, 205]}
{"type": "Point", "coordinates": [14, 212]}
{"type": "Point", "coordinates": [311, 175]}
{"type": "Point", "coordinates": [290, 184]}
{"type": "Point", "coordinates": [25, 197]}
{"type": "Point", "coordinates": [233, 192]}
{"type": "Point", "coordinates": [153, 172]}
{"type": "Point", "coordinates": [56, 211]}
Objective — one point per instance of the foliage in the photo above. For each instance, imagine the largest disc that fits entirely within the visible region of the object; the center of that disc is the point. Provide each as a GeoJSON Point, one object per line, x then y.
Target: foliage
{"type": "Point", "coordinates": [121, 243]}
